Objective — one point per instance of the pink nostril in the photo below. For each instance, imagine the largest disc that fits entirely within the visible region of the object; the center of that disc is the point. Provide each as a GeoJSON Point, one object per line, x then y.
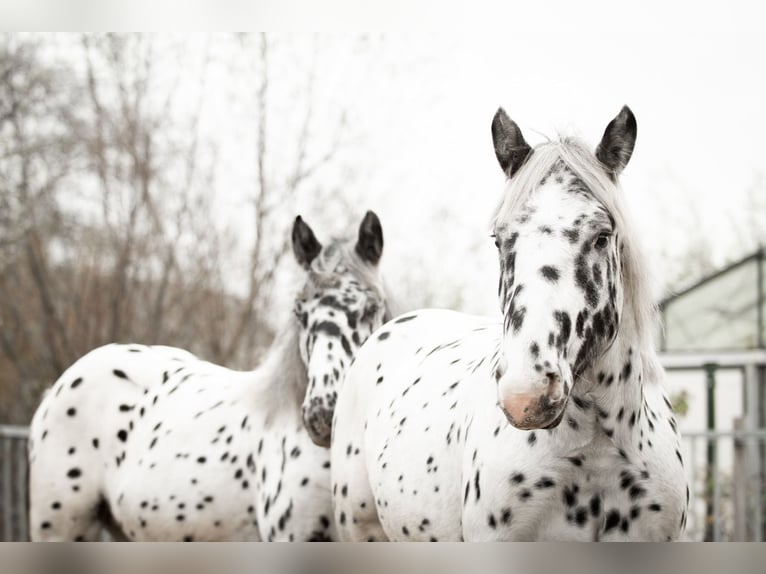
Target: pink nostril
{"type": "Point", "coordinates": [499, 372]}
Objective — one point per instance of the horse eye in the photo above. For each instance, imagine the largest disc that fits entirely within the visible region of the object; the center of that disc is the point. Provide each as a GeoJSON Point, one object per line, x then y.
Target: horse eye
{"type": "Point", "coordinates": [602, 240]}
{"type": "Point", "coordinates": [497, 243]}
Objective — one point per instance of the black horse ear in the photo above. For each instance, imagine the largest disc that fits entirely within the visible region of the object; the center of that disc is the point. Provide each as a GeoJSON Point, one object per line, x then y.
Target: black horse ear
{"type": "Point", "coordinates": [616, 146]}
{"type": "Point", "coordinates": [305, 244]}
{"type": "Point", "coordinates": [369, 246]}
{"type": "Point", "coordinates": [510, 148]}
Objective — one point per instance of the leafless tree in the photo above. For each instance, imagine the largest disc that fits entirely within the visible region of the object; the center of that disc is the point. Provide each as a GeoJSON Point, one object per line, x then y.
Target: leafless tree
{"type": "Point", "coordinates": [271, 193]}
{"type": "Point", "coordinates": [108, 229]}
{"type": "Point", "coordinates": [36, 154]}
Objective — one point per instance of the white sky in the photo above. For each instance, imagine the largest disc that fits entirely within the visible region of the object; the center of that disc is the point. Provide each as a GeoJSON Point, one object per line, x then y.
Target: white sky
{"type": "Point", "coordinates": [420, 106]}
{"type": "Point", "coordinates": [693, 77]}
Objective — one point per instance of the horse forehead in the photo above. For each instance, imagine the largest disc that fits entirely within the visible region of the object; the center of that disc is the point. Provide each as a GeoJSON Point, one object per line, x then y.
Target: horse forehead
{"type": "Point", "coordinates": [560, 200]}
{"type": "Point", "coordinates": [343, 295]}
{"type": "Point", "coordinates": [553, 207]}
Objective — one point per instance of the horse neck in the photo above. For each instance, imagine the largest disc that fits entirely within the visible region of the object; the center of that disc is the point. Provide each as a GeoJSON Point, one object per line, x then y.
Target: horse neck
{"type": "Point", "coordinates": [630, 363]}
{"type": "Point", "coordinates": [283, 372]}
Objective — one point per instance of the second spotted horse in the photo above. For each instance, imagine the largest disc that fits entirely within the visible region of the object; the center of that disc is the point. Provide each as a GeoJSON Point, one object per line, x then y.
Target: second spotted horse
{"type": "Point", "coordinates": [155, 444]}
{"type": "Point", "coordinates": [552, 425]}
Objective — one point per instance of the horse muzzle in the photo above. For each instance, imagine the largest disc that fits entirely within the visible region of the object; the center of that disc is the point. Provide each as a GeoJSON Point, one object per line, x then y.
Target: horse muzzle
{"type": "Point", "coordinates": [318, 423]}
{"type": "Point", "coordinates": [539, 405]}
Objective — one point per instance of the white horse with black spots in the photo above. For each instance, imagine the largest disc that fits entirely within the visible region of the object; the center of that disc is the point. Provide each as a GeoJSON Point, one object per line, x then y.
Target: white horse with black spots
{"type": "Point", "coordinates": [155, 444]}
{"type": "Point", "coordinates": [552, 425]}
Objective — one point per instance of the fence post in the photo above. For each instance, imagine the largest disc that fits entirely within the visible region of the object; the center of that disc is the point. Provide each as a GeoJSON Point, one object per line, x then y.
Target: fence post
{"type": "Point", "coordinates": [22, 490]}
{"type": "Point", "coordinates": [753, 376]}
{"type": "Point", "coordinates": [739, 485]}
{"type": "Point", "coordinates": [711, 472]}
{"type": "Point", "coordinates": [13, 473]}
{"type": "Point", "coordinates": [7, 490]}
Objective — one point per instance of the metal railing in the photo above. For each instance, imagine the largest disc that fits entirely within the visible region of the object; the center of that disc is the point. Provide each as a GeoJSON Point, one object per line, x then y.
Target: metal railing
{"type": "Point", "coordinates": [726, 475]}
{"type": "Point", "coordinates": [726, 485]}
{"type": "Point", "coordinates": [13, 484]}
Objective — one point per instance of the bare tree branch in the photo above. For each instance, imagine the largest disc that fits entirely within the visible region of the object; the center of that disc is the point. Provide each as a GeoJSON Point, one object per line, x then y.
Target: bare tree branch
{"type": "Point", "coordinates": [107, 225]}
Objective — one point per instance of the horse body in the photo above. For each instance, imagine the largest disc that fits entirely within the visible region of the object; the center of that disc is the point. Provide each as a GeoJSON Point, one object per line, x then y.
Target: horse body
{"type": "Point", "coordinates": [438, 460]}
{"type": "Point", "coordinates": [414, 408]}
{"type": "Point", "coordinates": [77, 427]}
{"type": "Point", "coordinates": [223, 467]}
{"type": "Point", "coordinates": [552, 425]}
{"type": "Point", "coordinates": [158, 445]}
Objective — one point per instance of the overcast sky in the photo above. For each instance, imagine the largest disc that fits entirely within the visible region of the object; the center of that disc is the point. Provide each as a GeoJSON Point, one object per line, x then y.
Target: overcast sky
{"type": "Point", "coordinates": [693, 77]}
{"type": "Point", "coordinates": [420, 105]}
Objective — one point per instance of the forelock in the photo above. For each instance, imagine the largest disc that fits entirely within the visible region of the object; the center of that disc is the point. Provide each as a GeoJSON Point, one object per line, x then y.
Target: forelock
{"type": "Point", "coordinates": [338, 263]}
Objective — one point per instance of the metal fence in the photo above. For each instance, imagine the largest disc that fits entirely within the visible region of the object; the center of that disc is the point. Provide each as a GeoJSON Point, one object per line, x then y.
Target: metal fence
{"type": "Point", "coordinates": [726, 475]}
{"type": "Point", "coordinates": [727, 487]}
{"type": "Point", "coordinates": [13, 484]}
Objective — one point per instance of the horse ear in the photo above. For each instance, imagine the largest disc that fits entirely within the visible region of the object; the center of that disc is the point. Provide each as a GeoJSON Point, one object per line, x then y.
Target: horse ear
{"type": "Point", "coordinates": [510, 148]}
{"type": "Point", "coordinates": [616, 146]}
{"type": "Point", "coordinates": [305, 244]}
{"type": "Point", "coordinates": [369, 246]}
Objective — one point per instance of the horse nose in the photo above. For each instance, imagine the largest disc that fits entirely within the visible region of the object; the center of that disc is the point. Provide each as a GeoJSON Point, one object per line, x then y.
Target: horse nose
{"type": "Point", "coordinates": [318, 422]}
{"type": "Point", "coordinates": [533, 398]}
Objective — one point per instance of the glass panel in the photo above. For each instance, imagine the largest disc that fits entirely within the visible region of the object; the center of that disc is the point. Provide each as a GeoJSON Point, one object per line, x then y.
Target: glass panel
{"type": "Point", "coordinates": [719, 314]}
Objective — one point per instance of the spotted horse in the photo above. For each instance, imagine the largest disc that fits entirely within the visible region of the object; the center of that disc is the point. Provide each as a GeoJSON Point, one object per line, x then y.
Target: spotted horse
{"type": "Point", "coordinates": [155, 444]}
{"type": "Point", "coordinates": [550, 425]}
